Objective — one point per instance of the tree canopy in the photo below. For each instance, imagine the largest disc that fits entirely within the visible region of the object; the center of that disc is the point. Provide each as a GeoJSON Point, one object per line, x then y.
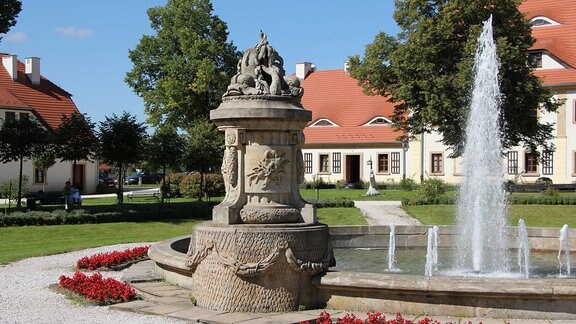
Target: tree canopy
{"type": "Point", "coordinates": [183, 70]}
{"type": "Point", "coordinates": [75, 139]}
{"type": "Point", "coordinates": [426, 70]}
{"type": "Point", "coordinates": [9, 10]}
{"type": "Point", "coordinates": [20, 139]}
{"type": "Point", "coordinates": [121, 140]}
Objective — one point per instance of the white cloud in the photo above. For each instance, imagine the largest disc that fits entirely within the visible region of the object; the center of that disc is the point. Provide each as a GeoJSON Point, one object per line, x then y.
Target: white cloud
{"type": "Point", "coordinates": [76, 32]}
{"type": "Point", "coordinates": [15, 37]}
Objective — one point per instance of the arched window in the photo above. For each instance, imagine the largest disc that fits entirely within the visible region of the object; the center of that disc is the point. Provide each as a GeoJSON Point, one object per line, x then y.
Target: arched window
{"type": "Point", "coordinates": [323, 122]}
{"type": "Point", "coordinates": [542, 21]}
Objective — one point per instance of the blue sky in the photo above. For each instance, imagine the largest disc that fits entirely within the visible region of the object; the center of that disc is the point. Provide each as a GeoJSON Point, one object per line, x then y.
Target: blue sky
{"type": "Point", "coordinates": [83, 45]}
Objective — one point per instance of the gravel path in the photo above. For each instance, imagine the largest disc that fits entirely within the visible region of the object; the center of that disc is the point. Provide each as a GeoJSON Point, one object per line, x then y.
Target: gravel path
{"type": "Point", "coordinates": [385, 213]}
{"type": "Point", "coordinates": [26, 298]}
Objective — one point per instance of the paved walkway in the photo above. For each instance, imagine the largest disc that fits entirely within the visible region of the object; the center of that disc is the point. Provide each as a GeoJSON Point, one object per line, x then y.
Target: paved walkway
{"type": "Point", "coordinates": [385, 213]}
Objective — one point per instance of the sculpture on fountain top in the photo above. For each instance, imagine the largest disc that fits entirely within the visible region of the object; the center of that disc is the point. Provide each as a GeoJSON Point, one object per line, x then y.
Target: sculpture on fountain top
{"type": "Point", "coordinates": [261, 72]}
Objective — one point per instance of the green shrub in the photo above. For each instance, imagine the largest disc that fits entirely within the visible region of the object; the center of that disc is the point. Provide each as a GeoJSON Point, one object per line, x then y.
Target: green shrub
{"type": "Point", "coordinates": [172, 185]}
{"type": "Point", "coordinates": [334, 203]}
{"type": "Point", "coordinates": [407, 184]}
{"type": "Point", "coordinates": [214, 185]}
{"type": "Point", "coordinates": [431, 189]}
{"type": "Point", "coordinates": [190, 185]}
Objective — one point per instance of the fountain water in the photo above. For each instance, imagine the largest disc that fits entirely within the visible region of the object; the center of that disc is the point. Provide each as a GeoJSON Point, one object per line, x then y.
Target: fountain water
{"type": "Point", "coordinates": [481, 212]}
{"type": "Point", "coordinates": [564, 246]}
{"type": "Point", "coordinates": [432, 252]}
{"type": "Point", "coordinates": [392, 249]}
{"type": "Point", "coordinates": [523, 249]}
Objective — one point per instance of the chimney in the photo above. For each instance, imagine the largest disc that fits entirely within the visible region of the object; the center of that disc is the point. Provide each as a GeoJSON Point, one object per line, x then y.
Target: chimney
{"type": "Point", "coordinates": [347, 67]}
{"type": "Point", "coordinates": [33, 69]}
{"type": "Point", "coordinates": [304, 69]}
{"type": "Point", "coordinates": [10, 63]}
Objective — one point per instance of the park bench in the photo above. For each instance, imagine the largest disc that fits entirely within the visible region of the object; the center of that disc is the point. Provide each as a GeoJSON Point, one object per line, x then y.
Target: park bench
{"type": "Point", "coordinates": [145, 194]}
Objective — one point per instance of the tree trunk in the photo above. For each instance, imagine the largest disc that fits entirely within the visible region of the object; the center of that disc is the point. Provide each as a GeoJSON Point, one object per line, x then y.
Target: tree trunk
{"type": "Point", "coordinates": [163, 186]}
{"type": "Point", "coordinates": [120, 193]}
{"type": "Point", "coordinates": [201, 193]}
{"type": "Point", "coordinates": [19, 202]}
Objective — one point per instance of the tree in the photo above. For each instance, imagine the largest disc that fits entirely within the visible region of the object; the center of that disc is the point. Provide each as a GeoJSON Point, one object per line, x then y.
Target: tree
{"type": "Point", "coordinates": [204, 149]}
{"type": "Point", "coordinates": [9, 10]}
{"type": "Point", "coordinates": [182, 71]}
{"type": "Point", "coordinates": [75, 139]}
{"type": "Point", "coordinates": [164, 150]}
{"type": "Point", "coordinates": [43, 160]}
{"type": "Point", "coordinates": [19, 140]}
{"type": "Point", "coordinates": [427, 70]}
{"type": "Point", "coordinates": [121, 140]}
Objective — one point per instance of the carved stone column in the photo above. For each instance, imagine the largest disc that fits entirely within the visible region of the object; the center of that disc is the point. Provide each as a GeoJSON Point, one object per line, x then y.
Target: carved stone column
{"type": "Point", "coordinates": [263, 245]}
{"type": "Point", "coordinates": [263, 162]}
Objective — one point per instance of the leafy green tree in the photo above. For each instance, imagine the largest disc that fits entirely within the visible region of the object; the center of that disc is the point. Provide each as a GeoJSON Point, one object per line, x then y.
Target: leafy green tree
{"type": "Point", "coordinates": [75, 139]}
{"type": "Point", "coordinates": [183, 70]}
{"type": "Point", "coordinates": [122, 142]}
{"type": "Point", "coordinates": [9, 10]}
{"type": "Point", "coordinates": [203, 150]}
{"type": "Point", "coordinates": [427, 70]}
{"type": "Point", "coordinates": [9, 189]}
{"type": "Point", "coordinates": [164, 150]}
{"type": "Point", "coordinates": [19, 140]}
{"type": "Point", "coordinates": [44, 159]}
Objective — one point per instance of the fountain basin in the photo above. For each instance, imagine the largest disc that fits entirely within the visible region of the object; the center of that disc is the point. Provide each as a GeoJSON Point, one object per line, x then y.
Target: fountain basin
{"type": "Point", "coordinates": [413, 294]}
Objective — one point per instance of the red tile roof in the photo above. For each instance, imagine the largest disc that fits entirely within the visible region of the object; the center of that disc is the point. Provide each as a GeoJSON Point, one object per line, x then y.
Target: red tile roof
{"type": "Point", "coordinates": [556, 39]}
{"type": "Point", "coordinates": [336, 96]}
{"type": "Point", "coordinates": [47, 100]}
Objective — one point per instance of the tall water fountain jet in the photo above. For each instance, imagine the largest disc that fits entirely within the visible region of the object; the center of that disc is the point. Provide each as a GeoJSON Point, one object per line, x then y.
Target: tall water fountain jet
{"type": "Point", "coordinates": [432, 252]}
{"type": "Point", "coordinates": [481, 210]}
{"type": "Point", "coordinates": [523, 249]}
{"type": "Point", "coordinates": [392, 248]}
{"type": "Point", "coordinates": [564, 246]}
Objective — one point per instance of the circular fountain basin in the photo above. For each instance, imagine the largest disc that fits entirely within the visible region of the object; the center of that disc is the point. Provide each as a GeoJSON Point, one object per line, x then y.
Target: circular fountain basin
{"type": "Point", "coordinates": [552, 299]}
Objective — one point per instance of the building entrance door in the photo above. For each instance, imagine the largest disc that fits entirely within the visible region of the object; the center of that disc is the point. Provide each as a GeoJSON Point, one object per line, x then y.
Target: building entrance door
{"type": "Point", "coordinates": [352, 168]}
{"type": "Point", "coordinates": [79, 177]}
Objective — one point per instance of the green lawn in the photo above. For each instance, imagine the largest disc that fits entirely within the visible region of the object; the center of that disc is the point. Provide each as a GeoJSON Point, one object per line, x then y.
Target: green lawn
{"type": "Point", "coordinates": [533, 215]}
{"type": "Point", "coordinates": [23, 242]}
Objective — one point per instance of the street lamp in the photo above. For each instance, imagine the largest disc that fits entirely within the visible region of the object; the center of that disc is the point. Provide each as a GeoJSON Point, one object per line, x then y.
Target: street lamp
{"type": "Point", "coordinates": [404, 150]}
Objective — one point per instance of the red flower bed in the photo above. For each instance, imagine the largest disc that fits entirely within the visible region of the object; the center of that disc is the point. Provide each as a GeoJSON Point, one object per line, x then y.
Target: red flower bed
{"type": "Point", "coordinates": [112, 259]}
{"type": "Point", "coordinates": [373, 318]}
{"type": "Point", "coordinates": [97, 289]}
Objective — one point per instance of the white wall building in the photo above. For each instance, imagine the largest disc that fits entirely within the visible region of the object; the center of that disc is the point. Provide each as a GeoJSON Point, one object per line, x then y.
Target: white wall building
{"type": "Point", "coordinates": [349, 129]}
{"type": "Point", "coordinates": [25, 93]}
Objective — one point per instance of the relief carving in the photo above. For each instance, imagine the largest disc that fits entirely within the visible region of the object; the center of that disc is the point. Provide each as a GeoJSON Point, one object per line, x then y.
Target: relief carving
{"type": "Point", "coordinates": [230, 167]}
{"type": "Point", "coordinates": [269, 170]}
{"type": "Point", "coordinates": [252, 269]}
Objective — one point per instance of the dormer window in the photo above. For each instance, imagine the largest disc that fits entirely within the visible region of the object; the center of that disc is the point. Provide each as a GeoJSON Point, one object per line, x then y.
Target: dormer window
{"type": "Point", "coordinates": [378, 121]}
{"type": "Point", "coordinates": [535, 59]}
{"type": "Point", "coordinates": [542, 21]}
{"type": "Point", "coordinates": [323, 123]}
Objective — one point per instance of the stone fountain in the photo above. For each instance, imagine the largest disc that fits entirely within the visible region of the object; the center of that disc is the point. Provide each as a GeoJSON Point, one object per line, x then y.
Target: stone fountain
{"type": "Point", "coordinates": [263, 243]}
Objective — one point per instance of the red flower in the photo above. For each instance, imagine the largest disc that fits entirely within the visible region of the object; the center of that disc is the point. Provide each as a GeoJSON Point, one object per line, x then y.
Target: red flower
{"type": "Point", "coordinates": [111, 259]}
{"type": "Point", "coordinates": [95, 288]}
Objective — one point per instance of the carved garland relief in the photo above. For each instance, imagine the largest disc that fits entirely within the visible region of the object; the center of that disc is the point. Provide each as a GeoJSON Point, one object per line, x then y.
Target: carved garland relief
{"type": "Point", "coordinates": [252, 269]}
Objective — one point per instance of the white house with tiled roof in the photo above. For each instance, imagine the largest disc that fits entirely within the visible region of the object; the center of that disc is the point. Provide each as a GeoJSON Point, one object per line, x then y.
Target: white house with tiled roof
{"type": "Point", "coordinates": [25, 93]}
{"type": "Point", "coordinates": [349, 130]}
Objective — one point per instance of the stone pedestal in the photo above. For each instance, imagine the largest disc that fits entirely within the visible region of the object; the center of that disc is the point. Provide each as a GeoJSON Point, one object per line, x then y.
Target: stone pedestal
{"type": "Point", "coordinates": [263, 162]}
{"type": "Point", "coordinates": [258, 268]}
{"type": "Point", "coordinates": [263, 245]}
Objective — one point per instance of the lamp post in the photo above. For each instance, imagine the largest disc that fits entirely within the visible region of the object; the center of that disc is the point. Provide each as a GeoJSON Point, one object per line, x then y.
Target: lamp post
{"type": "Point", "coordinates": [404, 150]}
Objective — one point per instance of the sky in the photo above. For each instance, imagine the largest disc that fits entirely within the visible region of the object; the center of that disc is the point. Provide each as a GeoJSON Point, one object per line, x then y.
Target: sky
{"type": "Point", "coordinates": [83, 45]}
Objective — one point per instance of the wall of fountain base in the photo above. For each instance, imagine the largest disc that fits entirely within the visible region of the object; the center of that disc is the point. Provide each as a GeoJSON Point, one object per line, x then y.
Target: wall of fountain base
{"type": "Point", "coordinates": [409, 294]}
